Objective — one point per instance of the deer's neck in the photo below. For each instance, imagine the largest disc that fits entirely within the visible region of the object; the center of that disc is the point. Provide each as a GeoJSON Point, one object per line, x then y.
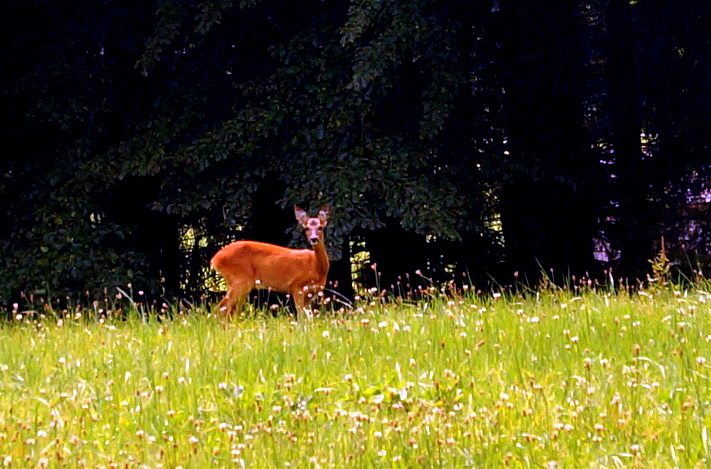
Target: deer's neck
{"type": "Point", "coordinates": [321, 258]}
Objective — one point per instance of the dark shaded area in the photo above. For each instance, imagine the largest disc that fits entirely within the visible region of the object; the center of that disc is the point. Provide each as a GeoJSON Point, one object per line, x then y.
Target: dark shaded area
{"type": "Point", "coordinates": [468, 141]}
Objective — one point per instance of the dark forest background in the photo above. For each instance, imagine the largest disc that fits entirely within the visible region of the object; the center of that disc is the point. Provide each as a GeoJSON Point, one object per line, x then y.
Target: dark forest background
{"type": "Point", "coordinates": [485, 140]}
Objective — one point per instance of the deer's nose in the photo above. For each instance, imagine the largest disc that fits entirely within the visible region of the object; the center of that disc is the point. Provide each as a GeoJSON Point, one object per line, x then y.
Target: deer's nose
{"type": "Point", "coordinates": [314, 240]}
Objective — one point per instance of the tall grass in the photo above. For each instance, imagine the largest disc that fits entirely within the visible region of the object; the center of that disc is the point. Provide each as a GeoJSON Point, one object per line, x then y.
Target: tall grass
{"type": "Point", "coordinates": [547, 380]}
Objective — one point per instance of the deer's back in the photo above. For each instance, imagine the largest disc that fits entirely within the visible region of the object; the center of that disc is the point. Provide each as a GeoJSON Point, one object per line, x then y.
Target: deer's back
{"type": "Point", "coordinates": [269, 265]}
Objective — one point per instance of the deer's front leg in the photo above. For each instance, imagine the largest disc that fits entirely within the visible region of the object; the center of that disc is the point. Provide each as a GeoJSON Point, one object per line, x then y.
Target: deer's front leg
{"type": "Point", "coordinates": [303, 298]}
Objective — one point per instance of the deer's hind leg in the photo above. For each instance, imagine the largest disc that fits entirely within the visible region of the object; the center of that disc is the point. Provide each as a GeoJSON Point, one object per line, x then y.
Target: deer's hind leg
{"type": "Point", "coordinates": [233, 301]}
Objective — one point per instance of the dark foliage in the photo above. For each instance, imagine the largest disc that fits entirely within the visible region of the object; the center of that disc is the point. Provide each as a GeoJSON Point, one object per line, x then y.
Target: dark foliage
{"type": "Point", "coordinates": [454, 139]}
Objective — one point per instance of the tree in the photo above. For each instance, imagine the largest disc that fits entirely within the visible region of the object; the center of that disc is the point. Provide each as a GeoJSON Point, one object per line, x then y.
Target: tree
{"type": "Point", "coordinates": [66, 95]}
{"type": "Point", "coordinates": [548, 197]}
{"type": "Point", "coordinates": [656, 111]}
{"type": "Point", "coordinates": [447, 136]}
{"type": "Point", "coordinates": [348, 112]}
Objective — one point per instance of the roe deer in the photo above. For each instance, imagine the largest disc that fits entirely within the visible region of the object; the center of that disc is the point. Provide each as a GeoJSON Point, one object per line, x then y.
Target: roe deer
{"type": "Point", "coordinates": [246, 265]}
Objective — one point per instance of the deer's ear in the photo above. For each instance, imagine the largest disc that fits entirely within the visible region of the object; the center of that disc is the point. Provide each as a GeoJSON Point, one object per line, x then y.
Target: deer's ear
{"type": "Point", "coordinates": [301, 216]}
{"type": "Point", "coordinates": [324, 214]}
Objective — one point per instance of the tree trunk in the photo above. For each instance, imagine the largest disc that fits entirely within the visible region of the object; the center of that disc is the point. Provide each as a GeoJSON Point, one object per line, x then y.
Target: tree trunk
{"type": "Point", "coordinates": [636, 228]}
{"type": "Point", "coordinates": [397, 256]}
{"type": "Point", "coordinates": [547, 203]}
{"type": "Point", "coordinates": [340, 278]}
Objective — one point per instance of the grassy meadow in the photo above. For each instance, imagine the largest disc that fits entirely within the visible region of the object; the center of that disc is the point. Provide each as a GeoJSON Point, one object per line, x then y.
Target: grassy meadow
{"type": "Point", "coordinates": [547, 380]}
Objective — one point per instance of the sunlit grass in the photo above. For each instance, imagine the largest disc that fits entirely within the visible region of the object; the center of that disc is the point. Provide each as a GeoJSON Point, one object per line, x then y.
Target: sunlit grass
{"type": "Point", "coordinates": [550, 380]}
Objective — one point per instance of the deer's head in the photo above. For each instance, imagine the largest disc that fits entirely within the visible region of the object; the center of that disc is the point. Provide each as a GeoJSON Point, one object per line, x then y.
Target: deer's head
{"type": "Point", "coordinates": [313, 226]}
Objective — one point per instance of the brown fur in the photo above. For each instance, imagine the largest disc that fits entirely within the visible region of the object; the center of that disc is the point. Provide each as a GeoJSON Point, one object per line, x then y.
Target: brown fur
{"type": "Point", "coordinates": [246, 265]}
